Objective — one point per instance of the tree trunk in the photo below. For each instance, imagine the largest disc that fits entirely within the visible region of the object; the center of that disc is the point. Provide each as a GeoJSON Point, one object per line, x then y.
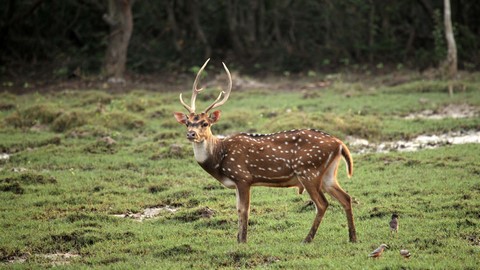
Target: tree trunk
{"type": "Point", "coordinates": [194, 12]}
{"type": "Point", "coordinates": [232, 13]}
{"type": "Point", "coordinates": [371, 31]}
{"type": "Point", "coordinates": [119, 18]}
{"type": "Point", "coordinates": [172, 21]}
{"type": "Point", "coordinates": [451, 62]}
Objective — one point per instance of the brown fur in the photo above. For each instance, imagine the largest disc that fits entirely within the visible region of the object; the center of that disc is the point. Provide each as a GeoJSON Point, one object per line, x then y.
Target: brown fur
{"type": "Point", "coordinates": [296, 158]}
{"type": "Point", "coordinates": [306, 159]}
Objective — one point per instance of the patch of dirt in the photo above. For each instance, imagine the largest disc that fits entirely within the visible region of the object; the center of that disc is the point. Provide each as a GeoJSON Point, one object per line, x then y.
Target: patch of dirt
{"type": "Point", "coordinates": [473, 239]}
{"type": "Point", "coordinates": [194, 214]}
{"type": "Point", "coordinates": [4, 157]}
{"type": "Point", "coordinates": [102, 145]}
{"type": "Point", "coordinates": [17, 259]}
{"type": "Point", "coordinates": [450, 111]}
{"type": "Point", "coordinates": [148, 213]}
{"type": "Point", "coordinates": [55, 259]}
{"type": "Point", "coordinates": [206, 212]}
{"type": "Point", "coordinates": [60, 258]}
{"type": "Point", "coordinates": [363, 146]}
{"type": "Point", "coordinates": [170, 82]}
{"type": "Point", "coordinates": [156, 82]}
{"type": "Point", "coordinates": [19, 169]}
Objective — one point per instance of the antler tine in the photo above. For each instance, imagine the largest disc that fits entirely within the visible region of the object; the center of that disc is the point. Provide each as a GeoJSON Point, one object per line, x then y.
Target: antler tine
{"type": "Point", "coordinates": [190, 110]}
{"type": "Point", "coordinates": [195, 91]}
{"type": "Point", "coordinates": [225, 94]}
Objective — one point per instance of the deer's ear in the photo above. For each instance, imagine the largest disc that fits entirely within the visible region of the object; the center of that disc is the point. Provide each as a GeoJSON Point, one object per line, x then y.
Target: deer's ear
{"type": "Point", "coordinates": [181, 118]}
{"type": "Point", "coordinates": [214, 116]}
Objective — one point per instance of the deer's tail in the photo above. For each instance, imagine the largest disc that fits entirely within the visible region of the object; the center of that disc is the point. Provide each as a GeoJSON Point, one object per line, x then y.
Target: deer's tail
{"type": "Point", "coordinates": [348, 159]}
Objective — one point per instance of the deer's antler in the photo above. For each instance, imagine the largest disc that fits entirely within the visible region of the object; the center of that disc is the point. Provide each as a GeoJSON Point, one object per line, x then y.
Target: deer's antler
{"type": "Point", "coordinates": [195, 90]}
{"type": "Point", "coordinates": [225, 94]}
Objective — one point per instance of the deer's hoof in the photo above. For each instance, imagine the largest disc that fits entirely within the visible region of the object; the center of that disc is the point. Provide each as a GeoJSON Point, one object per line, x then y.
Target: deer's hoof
{"type": "Point", "coordinates": [307, 240]}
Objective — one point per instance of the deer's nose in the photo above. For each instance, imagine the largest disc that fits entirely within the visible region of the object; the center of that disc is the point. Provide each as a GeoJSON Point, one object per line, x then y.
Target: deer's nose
{"type": "Point", "coordinates": [191, 135]}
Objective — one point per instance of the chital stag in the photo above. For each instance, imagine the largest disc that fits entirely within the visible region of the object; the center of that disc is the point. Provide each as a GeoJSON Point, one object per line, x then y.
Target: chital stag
{"type": "Point", "coordinates": [306, 159]}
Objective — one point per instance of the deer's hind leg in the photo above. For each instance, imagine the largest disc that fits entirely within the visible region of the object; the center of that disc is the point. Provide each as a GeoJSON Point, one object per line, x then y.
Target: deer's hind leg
{"type": "Point", "coordinates": [331, 186]}
{"type": "Point", "coordinates": [243, 209]}
{"type": "Point", "coordinates": [346, 201]}
{"type": "Point", "coordinates": [321, 204]}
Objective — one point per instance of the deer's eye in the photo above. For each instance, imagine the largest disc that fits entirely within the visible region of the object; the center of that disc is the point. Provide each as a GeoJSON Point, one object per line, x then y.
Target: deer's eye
{"type": "Point", "coordinates": [205, 124]}
{"type": "Point", "coordinates": [188, 123]}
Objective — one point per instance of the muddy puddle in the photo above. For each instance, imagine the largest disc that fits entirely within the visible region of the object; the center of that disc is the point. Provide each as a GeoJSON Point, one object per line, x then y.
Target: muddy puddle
{"type": "Point", "coordinates": [363, 146]}
{"type": "Point", "coordinates": [426, 141]}
{"type": "Point", "coordinates": [148, 213]}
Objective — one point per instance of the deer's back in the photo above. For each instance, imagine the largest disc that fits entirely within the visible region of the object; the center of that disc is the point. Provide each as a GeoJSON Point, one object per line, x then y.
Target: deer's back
{"type": "Point", "coordinates": [276, 156]}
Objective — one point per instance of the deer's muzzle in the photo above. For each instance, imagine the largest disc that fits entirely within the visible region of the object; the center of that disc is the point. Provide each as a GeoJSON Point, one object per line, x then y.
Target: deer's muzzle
{"type": "Point", "coordinates": [191, 135]}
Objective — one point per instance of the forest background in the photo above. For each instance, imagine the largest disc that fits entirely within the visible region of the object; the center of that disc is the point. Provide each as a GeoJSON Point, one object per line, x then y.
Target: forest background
{"type": "Point", "coordinates": [65, 39]}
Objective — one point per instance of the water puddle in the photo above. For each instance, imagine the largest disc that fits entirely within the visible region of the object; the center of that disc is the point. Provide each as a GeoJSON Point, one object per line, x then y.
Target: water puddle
{"type": "Point", "coordinates": [148, 213]}
{"type": "Point", "coordinates": [363, 146]}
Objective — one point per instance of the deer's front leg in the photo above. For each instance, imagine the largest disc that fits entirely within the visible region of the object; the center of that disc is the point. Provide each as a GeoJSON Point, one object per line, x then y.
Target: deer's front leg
{"type": "Point", "coordinates": [243, 209]}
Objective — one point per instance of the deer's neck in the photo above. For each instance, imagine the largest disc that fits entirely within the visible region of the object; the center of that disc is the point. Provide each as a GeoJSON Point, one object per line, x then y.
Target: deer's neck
{"type": "Point", "coordinates": [206, 150]}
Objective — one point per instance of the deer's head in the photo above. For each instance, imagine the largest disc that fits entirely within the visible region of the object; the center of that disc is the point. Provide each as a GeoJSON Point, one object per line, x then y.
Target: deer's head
{"type": "Point", "coordinates": [199, 124]}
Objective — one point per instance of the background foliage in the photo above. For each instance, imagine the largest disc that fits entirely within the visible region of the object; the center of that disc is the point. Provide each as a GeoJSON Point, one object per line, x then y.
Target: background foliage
{"type": "Point", "coordinates": [259, 35]}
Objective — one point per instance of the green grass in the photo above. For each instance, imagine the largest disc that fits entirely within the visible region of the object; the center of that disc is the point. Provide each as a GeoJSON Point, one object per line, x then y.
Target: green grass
{"type": "Point", "coordinates": [63, 183]}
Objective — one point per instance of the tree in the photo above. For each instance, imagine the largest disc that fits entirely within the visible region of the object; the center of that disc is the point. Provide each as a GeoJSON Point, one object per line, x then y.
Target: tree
{"type": "Point", "coordinates": [119, 18]}
{"type": "Point", "coordinates": [451, 61]}
{"type": "Point", "coordinates": [258, 35]}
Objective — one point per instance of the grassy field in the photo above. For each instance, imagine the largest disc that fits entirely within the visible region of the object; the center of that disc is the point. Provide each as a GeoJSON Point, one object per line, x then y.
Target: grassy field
{"type": "Point", "coordinates": [77, 158]}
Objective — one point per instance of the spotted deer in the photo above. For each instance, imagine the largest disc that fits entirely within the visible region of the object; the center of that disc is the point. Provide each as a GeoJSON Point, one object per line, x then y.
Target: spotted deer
{"type": "Point", "coordinates": [307, 159]}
